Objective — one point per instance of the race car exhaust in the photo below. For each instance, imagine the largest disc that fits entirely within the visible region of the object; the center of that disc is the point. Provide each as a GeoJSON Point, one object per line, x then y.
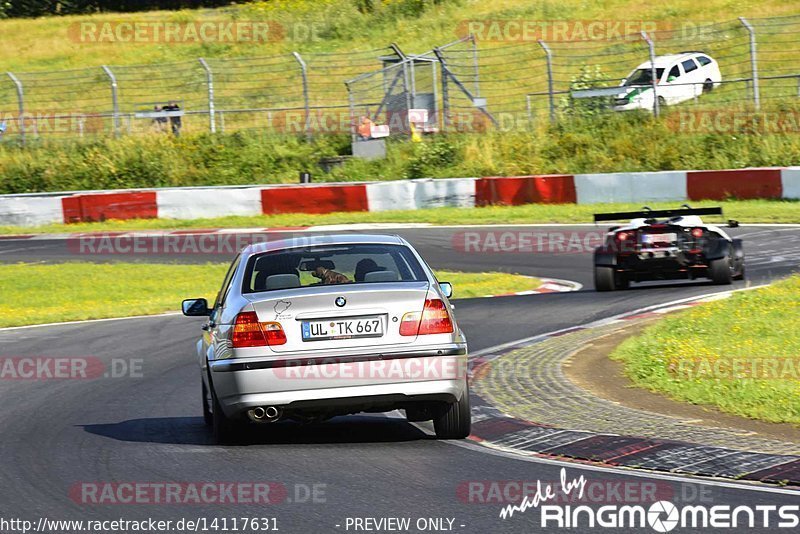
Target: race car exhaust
{"type": "Point", "coordinates": [264, 414]}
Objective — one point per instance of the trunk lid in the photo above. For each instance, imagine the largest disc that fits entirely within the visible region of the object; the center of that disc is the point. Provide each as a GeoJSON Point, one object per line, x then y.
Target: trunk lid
{"type": "Point", "coordinates": [313, 321]}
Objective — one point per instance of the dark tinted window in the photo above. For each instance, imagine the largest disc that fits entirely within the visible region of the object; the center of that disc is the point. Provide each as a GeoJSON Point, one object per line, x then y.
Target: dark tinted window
{"type": "Point", "coordinates": [331, 264]}
{"type": "Point", "coordinates": [674, 72]}
{"type": "Point", "coordinates": [703, 60]}
{"type": "Point", "coordinates": [643, 77]}
{"type": "Point", "coordinates": [689, 65]}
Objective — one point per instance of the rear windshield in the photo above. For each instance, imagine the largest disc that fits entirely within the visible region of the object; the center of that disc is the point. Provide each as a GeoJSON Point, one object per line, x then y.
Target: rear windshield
{"type": "Point", "coordinates": [329, 265]}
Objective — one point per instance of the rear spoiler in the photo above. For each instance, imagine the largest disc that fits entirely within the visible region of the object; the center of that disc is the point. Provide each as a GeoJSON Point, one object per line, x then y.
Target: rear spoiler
{"type": "Point", "coordinates": [652, 214]}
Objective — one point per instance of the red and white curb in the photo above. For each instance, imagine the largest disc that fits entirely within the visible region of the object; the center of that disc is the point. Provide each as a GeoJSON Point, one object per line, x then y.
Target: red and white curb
{"type": "Point", "coordinates": [549, 285]}
{"type": "Point", "coordinates": [500, 432]}
{"type": "Point", "coordinates": [33, 209]}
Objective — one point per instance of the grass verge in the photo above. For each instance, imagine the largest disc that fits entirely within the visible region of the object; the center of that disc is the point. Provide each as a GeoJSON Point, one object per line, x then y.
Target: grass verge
{"type": "Point", "coordinates": [740, 355]}
{"type": "Point", "coordinates": [36, 294]}
{"type": "Point", "coordinates": [746, 211]}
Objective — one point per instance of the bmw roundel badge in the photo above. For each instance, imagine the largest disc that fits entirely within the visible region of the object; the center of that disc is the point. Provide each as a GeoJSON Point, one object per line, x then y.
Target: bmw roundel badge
{"type": "Point", "coordinates": [340, 301]}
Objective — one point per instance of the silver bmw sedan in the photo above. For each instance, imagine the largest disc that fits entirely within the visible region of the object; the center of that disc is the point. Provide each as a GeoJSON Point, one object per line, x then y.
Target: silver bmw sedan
{"type": "Point", "coordinates": [314, 327]}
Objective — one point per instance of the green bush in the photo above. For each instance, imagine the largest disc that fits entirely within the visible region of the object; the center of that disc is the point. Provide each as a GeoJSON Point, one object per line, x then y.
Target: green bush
{"type": "Point", "coordinates": [620, 142]}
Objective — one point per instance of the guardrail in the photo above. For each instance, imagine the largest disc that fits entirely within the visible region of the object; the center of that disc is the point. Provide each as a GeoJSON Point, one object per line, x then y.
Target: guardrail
{"type": "Point", "coordinates": [207, 202]}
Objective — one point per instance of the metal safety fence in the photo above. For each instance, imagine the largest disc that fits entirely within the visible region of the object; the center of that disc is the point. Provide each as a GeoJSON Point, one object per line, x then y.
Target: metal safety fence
{"type": "Point", "coordinates": [471, 84]}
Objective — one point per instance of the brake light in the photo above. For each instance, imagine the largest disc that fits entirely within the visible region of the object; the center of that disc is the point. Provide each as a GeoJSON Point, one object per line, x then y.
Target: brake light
{"type": "Point", "coordinates": [248, 332]}
{"type": "Point", "coordinates": [697, 232]}
{"type": "Point", "coordinates": [435, 319]}
{"type": "Point", "coordinates": [626, 241]}
{"type": "Point", "coordinates": [626, 235]}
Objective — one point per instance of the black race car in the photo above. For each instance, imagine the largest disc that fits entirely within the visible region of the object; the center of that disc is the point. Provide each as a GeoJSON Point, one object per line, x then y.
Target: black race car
{"type": "Point", "coordinates": [666, 245]}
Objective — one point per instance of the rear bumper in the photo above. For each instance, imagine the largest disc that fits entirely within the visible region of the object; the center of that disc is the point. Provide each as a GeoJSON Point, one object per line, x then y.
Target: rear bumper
{"type": "Point", "coordinates": [381, 397]}
{"type": "Point", "coordinates": [663, 267]}
{"type": "Point", "coordinates": [359, 381]}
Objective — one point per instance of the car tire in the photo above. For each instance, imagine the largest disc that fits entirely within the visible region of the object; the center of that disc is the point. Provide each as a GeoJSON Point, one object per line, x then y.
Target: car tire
{"type": "Point", "coordinates": [708, 86]}
{"type": "Point", "coordinates": [740, 276]}
{"type": "Point", "coordinates": [223, 429]}
{"type": "Point", "coordinates": [455, 422]}
{"type": "Point", "coordinates": [720, 271]}
{"type": "Point", "coordinates": [208, 418]}
{"type": "Point", "coordinates": [604, 279]}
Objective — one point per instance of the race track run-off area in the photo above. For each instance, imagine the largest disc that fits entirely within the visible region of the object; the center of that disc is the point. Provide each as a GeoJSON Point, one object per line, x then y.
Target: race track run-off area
{"type": "Point", "coordinates": [108, 446]}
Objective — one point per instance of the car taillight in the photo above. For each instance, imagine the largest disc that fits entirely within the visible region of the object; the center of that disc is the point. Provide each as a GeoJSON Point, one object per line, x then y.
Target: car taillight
{"type": "Point", "coordinates": [625, 236]}
{"type": "Point", "coordinates": [697, 233]}
{"type": "Point", "coordinates": [409, 326]}
{"type": "Point", "coordinates": [434, 319]}
{"type": "Point", "coordinates": [274, 333]}
{"type": "Point", "coordinates": [625, 241]}
{"type": "Point", "coordinates": [249, 332]}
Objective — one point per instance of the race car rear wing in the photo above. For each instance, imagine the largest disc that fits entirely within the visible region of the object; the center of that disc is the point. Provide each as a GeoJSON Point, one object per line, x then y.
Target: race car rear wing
{"type": "Point", "coordinates": [653, 214]}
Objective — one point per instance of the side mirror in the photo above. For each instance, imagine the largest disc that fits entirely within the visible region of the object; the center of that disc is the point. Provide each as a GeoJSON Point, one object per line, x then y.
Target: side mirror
{"type": "Point", "coordinates": [733, 223]}
{"type": "Point", "coordinates": [447, 289]}
{"type": "Point", "coordinates": [195, 308]}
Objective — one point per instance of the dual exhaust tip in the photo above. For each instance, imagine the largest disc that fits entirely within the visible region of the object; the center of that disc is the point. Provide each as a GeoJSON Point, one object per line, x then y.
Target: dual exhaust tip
{"type": "Point", "coordinates": [265, 414]}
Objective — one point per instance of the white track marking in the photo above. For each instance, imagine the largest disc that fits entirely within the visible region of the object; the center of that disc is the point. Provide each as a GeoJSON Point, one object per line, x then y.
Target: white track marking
{"type": "Point", "coordinates": [600, 322]}
{"type": "Point", "coordinates": [625, 471]}
{"type": "Point", "coordinates": [67, 323]}
{"type": "Point", "coordinates": [6, 251]}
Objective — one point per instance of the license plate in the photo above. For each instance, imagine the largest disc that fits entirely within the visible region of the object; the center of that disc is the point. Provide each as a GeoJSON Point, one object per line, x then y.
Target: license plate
{"type": "Point", "coordinates": [659, 238]}
{"type": "Point", "coordinates": [345, 328]}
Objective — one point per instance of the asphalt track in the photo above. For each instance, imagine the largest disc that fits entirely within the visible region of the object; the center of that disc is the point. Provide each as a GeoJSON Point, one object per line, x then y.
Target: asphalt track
{"type": "Point", "coordinates": [147, 428]}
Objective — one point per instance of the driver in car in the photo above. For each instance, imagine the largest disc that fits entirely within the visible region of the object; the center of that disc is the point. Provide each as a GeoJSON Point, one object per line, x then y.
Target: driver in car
{"type": "Point", "coordinates": [329, 276]}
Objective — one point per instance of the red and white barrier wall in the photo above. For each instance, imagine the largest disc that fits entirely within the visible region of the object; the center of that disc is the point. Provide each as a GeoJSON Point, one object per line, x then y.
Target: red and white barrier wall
{"type": "Point", "coordinates": [209, 202]}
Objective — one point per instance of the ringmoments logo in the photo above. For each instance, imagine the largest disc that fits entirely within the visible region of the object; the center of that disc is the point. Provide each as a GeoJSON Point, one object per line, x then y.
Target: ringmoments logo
{"type": "Point", "coordinates": [660, 516]}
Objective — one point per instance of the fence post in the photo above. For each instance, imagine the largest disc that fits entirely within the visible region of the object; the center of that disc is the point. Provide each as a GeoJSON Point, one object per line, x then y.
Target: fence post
{"type": "Point", "coordinates": [551, 97]}
{"type": "Point", "coordinates": [212, 126]}
{"type": "Point", "coordinates": [352, 103]}
{"type": "Point", "coordinates": [435, 93]}
{"type": "Point", "coordinates": [445, 92]}
{"type": "Point", "coordinates": [528, 110]}
{"type": "Point", "coordinates": [653, 81]}
{"type": "Point", "coordinates": [753, 61]}
{"type": "Point", "coordinates": [304, 73]}
{"type": "Point", "coordinates": [114, 99]}
{"type": "Point", "coordinates": [475, 64]}
{"type": "Point", "coordinates": [20, 105]}
{"type": "Point", "coordinates": [407, 91]}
